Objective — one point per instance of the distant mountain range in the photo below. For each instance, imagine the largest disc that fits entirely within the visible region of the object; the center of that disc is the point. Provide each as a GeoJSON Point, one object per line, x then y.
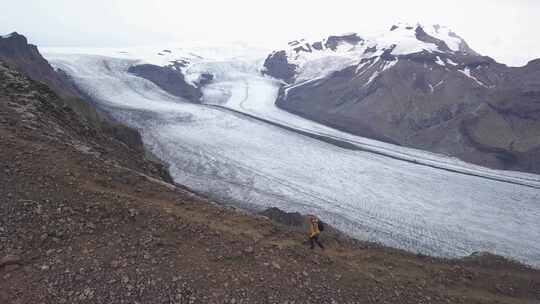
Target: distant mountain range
{"type": "Point", "coordinates": [417, 86]}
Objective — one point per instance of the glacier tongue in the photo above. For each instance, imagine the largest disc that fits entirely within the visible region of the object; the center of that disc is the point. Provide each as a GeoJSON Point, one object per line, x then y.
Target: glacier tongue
{"type": "Point", "coordinates": [250, 163]}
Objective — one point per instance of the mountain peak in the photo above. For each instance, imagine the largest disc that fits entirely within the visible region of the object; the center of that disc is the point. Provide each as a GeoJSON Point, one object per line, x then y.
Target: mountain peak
{"type": "Point", "coordinates": [18, 53]}
{"type": "Point", "coordinates": [11, 35]}
{"type": "Point", "coordinates": [319, 58]}
{"type": "Point", "coordinates": [401, 39]}
{"type": "Point", "coordinates": [444, 38]}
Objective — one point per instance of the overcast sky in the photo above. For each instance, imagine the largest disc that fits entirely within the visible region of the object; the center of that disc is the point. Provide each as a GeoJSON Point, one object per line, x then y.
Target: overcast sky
{"type": "Point", "coordinates": [508, 30]}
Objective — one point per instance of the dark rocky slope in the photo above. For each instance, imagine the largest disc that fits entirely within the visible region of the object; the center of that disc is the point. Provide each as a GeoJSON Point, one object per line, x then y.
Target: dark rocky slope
{"type": "Point", "coordinates": [454, 102]}
{"type": "Point", "coordinates": [16, 52]}
{"type": "Point", "coordinates": [169, 79]}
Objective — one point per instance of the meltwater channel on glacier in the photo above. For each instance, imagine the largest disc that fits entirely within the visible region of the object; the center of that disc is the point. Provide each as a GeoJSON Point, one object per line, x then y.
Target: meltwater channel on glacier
{"type": "Point", "coordinates": [252, 164]}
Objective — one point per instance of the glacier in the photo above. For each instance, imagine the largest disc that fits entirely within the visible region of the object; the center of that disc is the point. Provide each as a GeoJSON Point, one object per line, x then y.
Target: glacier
{"type": "Point", "coordinates": [239, 148]}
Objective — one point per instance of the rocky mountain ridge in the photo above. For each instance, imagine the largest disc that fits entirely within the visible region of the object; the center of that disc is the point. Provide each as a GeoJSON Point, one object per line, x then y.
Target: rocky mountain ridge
{"type": "Point", "coordinates": [16, 52]}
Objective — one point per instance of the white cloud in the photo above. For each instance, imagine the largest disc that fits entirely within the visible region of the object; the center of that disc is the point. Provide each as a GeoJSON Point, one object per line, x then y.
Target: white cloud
{"type": "Point", "coordinates": [122, 22]}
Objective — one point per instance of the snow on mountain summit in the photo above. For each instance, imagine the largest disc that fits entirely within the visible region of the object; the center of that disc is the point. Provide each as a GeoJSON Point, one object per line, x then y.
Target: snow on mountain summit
{"type": "Point", "coordinates": [320, 58]}
{"type": "Point", "coordinates": [402, 37]}
{"type": "Point", "coordinates": [9, 35]}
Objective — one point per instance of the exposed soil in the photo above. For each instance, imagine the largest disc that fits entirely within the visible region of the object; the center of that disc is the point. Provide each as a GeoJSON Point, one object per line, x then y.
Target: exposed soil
{"type": "Point", "coordinates": [86, 219]}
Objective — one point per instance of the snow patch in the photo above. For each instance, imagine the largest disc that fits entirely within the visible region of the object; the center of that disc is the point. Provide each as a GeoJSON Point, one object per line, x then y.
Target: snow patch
{"type": "Point", "coordinates": [360, 66]}
{"type": "Point", "coordinates": [372, 77]}
{"type": "Point", "coordinates": [440, 62]}
{"type": "Point", "coordinates": [389, 65]}
{"type": "Point", "coordinates": [8, 35]}
{"type": "Point", "coordinates": [404, 42]}
{"type": "Point", "coordinates": [323, 66]}
{"type": "Point", "coordinates": [467, 72]}
{"type": "Point", "coordinates": [445, 34]}
{"type": "Point", "coordinates": [433, 87]}
{"type": "Point", "coordinates": [450, 61]}
{"type": "Point", "coordinates": [286, 91]}
{"type": "Point", "coordinates": [439, 83]}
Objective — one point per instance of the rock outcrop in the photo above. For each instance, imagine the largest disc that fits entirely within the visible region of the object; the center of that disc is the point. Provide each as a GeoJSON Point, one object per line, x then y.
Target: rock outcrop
{"type": "Point", "coordinates": [170, 80]}
{"type": "Point", "coordinates": [18, 53]}
{"type": "Point", "coordinates": [276, 65]}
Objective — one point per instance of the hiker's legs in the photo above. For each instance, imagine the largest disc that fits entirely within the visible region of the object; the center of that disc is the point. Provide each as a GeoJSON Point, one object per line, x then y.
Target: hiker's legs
{"type": "Point", "coordinates": [316, 238]}
{"type": "Point", "coordinates": [313, 240]}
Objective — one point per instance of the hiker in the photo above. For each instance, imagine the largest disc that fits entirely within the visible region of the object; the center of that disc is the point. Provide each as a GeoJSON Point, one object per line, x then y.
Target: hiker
{"type": "Point", "coordinates": [315, 228]}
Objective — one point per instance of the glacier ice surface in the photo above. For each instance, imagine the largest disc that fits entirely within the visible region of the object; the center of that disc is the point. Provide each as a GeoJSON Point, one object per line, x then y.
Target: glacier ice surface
{"type": "Point", "coordinates": [250, 163]}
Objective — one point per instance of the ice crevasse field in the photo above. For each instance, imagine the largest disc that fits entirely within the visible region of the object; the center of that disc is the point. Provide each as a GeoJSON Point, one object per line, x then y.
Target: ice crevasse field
{"type": "Point", "coordinates": [405, 198]}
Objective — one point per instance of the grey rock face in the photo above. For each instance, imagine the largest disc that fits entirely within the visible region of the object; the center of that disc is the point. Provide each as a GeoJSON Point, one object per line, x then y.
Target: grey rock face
{"type": "Point", "coordinates": [277, 66]}
{"type": "Point", "coordinates": [167, 78]}
{"type": "Point", "coordinates": [286, 218]}
{"type": "Point", "coordinates": [333, 41]}
{"type": "Point", "coordinates": [317, 45]}
{"type": "Point", "coordinates": [205, 79]}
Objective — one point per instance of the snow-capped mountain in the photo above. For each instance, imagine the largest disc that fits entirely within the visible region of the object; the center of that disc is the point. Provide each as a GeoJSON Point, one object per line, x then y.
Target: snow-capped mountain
{"type": "Point", "coordinates": [418, 86]}
{"type": "Point", "coordinates": [308, 60]}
